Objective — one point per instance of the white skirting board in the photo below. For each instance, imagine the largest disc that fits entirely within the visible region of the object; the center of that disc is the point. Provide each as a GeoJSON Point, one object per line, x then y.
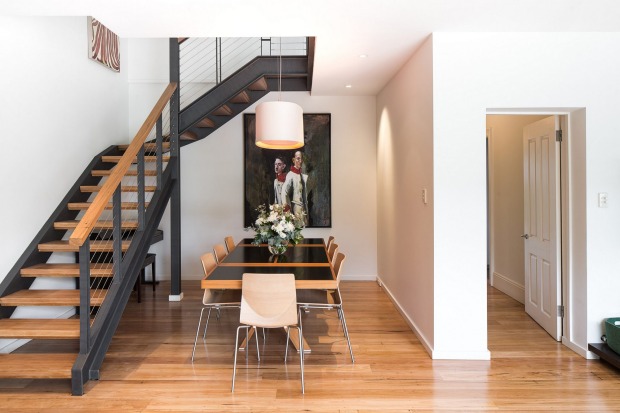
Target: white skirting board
{"type": "Point", "coordinates": [509, 287]}
{"type": "Point", "coordinates": [435, 355]}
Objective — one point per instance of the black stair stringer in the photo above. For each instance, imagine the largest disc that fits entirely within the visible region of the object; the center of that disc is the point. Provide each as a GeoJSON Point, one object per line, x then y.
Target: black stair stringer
{"type": "Point", "coordinates": [13, 281]}
{"type": "Point", "coordinates": [294, 78]}
{"type": "Point", "coordinates": [87, 365]}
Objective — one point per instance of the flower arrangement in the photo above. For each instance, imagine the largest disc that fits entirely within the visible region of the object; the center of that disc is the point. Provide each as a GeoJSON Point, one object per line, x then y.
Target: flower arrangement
{"type": "Point", "coordinates": [277, 228]}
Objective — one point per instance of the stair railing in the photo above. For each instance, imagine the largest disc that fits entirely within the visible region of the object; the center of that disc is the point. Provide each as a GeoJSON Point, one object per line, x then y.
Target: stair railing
{"type": "Point", "coordinates": [100, 295]}
{"type": "Point", "coordinates": [206, 62]}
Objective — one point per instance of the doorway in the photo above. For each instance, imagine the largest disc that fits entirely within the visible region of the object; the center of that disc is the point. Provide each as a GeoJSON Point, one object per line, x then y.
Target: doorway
{"type": "Point", "coordinates": [511, 237]}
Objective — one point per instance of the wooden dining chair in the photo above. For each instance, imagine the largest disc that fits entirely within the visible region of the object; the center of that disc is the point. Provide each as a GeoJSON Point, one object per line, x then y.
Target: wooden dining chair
{"type": "Point", "coordinates": [211, 299]}
{"type": "Point", "coordinates": [331, 251]}
{"type": "Point", "coordinates": [326, 300]}
{"type": "Point", "coordinates": [230, 243]}
{"type": "Point", "coordinates": [329, 241]}
{"type": "Point", "coordinates": [269, 301]}
{"type": "Point", "coordinates": [220, 252]}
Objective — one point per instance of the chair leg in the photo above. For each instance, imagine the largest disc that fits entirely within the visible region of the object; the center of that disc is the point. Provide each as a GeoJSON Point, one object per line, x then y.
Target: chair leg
{"type": "Point", "coordinates": [236, 351]}
{"type": "Point", "coordinates": [346, 332]}
{"type": "Point", "coordinates": [301, 358]}
{"type": "Point", "coordinates": [288, 337]}
{"type": "Point", "coordinates": [204, 336]}
{"type": "Point", "coordinates": [197, 332]}
{"type": "Point", "coordinates": [256, 337]}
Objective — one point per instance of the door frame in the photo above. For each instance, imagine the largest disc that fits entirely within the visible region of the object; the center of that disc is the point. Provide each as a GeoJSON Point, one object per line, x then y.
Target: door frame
{"type": "Point", "coordinates": [564, 206]}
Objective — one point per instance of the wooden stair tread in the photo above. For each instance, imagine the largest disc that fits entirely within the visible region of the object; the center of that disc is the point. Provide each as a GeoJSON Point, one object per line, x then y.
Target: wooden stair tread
{"type": "Point", "coordinates": [64, 246]}
{"type": "Point", "coordinates": [76, 206]}
{"type": "Point", "coordinates": [149, 147]}
{"type": "Point", "coordinates": [223, 111]}
{"type": "Point", "coordinates": [189, 136]}
{"type": "Point", "coordinates": [71, 224]}
{"type": "Point", "coordinates": [44, 328]}
{"type": "Point", "coordinates": [147, 158]}
{"type": "Point", "coordinates": [242, 97]}
{"type": "Point", "coordinates": [51, 297]}
{"type": "Point", "coordinates": [36, 366]}
{"type": "Point", "coordinates": [259, 85]}
{"type": "Point", "coordinates": [66, 270]}
{"type": "Point", "coordinates": [97, 188]}
{"type": "Point", "coordinates": [206, 123]}
{"type": "Point", "coordinates": [131, 172]}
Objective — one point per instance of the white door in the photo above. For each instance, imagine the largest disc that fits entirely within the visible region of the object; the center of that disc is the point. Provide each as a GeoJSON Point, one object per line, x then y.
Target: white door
{"type": "Point", "coordinates": [542, 224]}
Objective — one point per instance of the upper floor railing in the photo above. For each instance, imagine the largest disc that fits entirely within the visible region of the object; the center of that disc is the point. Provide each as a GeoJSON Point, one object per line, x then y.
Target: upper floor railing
{"type": "Point", "coordinates": [205, 62]}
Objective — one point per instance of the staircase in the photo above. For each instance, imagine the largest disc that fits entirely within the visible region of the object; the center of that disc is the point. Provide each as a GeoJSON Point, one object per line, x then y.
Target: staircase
{"type": "Point", "coordinates": [103, 288]}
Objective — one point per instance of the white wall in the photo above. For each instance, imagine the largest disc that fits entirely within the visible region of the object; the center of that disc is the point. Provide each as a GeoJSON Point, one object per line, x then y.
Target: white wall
{"type": "Point", "coordinates": [505, 157]}
{"type": "Point", "coordinates": [404, 169]}
{"type": "Point", "coordinates": [58, 110]}
{"type": "Point", "coordinates": [475, 72]}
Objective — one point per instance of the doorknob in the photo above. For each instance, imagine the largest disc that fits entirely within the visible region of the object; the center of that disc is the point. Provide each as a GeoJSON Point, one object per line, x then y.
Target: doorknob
{"type": "Point", "coordinates": [526, 236]}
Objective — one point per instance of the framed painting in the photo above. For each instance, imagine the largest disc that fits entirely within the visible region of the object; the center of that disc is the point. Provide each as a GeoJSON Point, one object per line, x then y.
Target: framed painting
{"type": "Point", "coordinates": [297, 178]}
{"type": "Point", "coordinates": [103, 45]}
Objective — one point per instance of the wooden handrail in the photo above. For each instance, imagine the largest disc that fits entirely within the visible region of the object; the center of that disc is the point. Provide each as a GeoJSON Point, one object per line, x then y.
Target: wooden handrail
{"type": "Point", "coordinates": [90, 218]}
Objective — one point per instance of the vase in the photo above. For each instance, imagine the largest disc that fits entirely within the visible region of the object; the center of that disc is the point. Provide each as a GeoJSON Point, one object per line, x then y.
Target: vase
{"type": "Point", "coordinates": [277, 248]}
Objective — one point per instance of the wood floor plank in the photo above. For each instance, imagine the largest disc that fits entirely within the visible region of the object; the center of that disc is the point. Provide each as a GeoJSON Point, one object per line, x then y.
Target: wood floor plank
{"type": "Point", "coordinates": [148, 367]}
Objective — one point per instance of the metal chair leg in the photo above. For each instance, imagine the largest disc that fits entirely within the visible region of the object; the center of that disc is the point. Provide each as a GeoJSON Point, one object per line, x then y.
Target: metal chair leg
{"type": "Point", "coordinates": [288, 337]}
{"type": "Point", "coordinates": [301, 358]}
{"type": "Point", "coordinates": [204, 336]}
{"type": "Point", "coordinates": [197, 332]}
{"type": "Point", "coordinates": [236, 351]}
{"type": "Point", "coordinates": [346, 332]}
{"type": "Point", "coordinates": [256, 337]}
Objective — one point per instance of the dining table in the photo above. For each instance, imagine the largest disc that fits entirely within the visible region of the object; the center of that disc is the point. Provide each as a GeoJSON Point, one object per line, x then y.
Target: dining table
{"type": "Point", "coordinates": [307, 260]}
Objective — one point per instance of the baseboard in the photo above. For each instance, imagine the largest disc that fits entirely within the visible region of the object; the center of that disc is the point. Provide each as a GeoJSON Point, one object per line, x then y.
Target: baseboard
{"type": "Point", "coordinates": [425, 343]}
{"type": "Point", "coordinates": [10, 345]}
{"type": "Point", "coordinates": [509, 287]}
{"type": "Point", "coordinates": [579, 350]}
{"type": "Point", "coordinates": [435, 355]}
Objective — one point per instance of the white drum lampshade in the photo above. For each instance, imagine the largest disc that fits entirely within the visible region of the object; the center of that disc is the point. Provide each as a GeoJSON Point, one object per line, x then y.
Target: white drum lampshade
{"type": "Point", "coordinates": [279, 125]}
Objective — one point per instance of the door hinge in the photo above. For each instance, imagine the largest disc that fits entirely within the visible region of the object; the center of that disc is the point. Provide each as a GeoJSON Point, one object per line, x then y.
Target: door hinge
{"type": "Point", "coordinates": [558, 135]}
{"type": "Point", "coordinates": [560, 311]}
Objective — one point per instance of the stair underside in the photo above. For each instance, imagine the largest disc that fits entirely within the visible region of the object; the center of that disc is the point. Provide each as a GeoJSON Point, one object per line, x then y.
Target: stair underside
{"type": "Point", "coordinates": [51, 298]}
{"type": "Point", "coordinates": [36, 366]}
{"type": "Point", "coordinates": [68, 225]}
{"type": "Point", "coordinates": [64, 246]}
{"type": "Point", "coordinates": [66, 270]}
{"type": "Point", "coordinates": [40, 328]}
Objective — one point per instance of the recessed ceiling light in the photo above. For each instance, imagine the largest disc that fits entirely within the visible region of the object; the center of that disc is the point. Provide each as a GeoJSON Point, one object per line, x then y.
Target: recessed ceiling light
{"type": "Point", "coordinates": [348, 86]}
{"type": "Point", "coordinates": [363, 56]}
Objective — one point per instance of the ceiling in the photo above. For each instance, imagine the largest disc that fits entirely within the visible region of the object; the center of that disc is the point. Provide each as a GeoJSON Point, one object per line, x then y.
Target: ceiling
{"type": "Point", "coordinates": [387, 31]}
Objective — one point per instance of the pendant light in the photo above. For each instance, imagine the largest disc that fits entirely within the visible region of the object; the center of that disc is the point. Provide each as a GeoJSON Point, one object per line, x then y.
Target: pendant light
{"type": "Point", "coordinates": [279, 125]}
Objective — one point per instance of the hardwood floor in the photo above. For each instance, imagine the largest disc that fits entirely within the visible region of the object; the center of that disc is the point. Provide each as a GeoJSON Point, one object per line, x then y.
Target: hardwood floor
{"type": "Point", "coordinates": [148, 367]}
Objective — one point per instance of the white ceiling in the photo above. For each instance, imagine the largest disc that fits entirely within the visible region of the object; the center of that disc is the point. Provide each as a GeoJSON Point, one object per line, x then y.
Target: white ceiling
{"type": "Point", "coordinates": [387, 31]}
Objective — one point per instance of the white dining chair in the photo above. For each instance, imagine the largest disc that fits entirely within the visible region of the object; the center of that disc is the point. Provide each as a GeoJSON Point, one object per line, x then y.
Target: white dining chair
{"type": "Point", "coordinates": [327, 300]}
{"type": "Point", "coordinates": [269, 301]}
{"type": "Point", "coordinates": [214, 299]}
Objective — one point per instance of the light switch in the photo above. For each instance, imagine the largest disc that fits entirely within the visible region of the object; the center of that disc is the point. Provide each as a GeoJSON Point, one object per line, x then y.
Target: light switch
{"type": "Point", "coordinates": [602, 199]}
{"type": "Point", "coordinates": [424, 197]}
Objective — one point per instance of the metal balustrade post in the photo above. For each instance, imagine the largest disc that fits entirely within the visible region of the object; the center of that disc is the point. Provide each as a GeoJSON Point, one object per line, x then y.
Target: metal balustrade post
{"type": "Point", "coordinates": [140, 189]}
{"type": "Point", "coordinates": [175, 197]}
{"type": "Point", "coordinates": [117, 242]}
{"type": "Point", "coordinates": [84, 260]}
{"type": "Point", "coordinates": [218, 60]}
